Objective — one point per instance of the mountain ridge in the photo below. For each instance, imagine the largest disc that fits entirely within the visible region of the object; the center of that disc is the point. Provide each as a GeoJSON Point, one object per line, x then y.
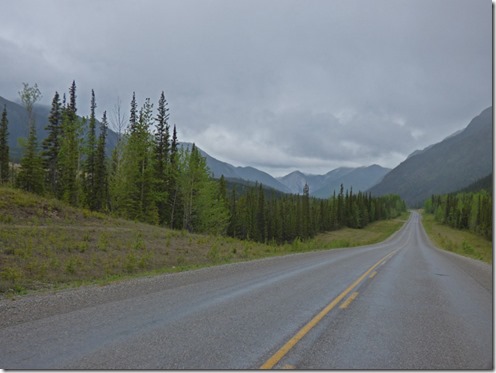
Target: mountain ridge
{"type": "Point", "coordinates": [323, 186]}
{"type": "Point", "coordinates": [459, 160]}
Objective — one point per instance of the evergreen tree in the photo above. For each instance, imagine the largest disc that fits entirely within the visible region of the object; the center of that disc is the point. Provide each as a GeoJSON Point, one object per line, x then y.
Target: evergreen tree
{"type": "Point", "coordinates": [69, 161]}
{"type": "Point", "coordinates": [212, 213]}
{"type": "Point", "coordinates": [101, 174]}
{"type": "Point", "coordinates": [191, 177]}
{"type": "Point", "coordinates": [51, 147]}
{"type": "Point", "coordinates": [174, 192]}
{"type": "Point", "coordinates": [133, 194]}
{"type": "Point", "coordinates": [261, 222]}
{"type": "Point", "coordinates": [133, 119]}
{"type": "Point", "coordinates": [340, 211]}
{"type": "Point", "coordinates": [174, 144]}
{"type": "Point", "coordinates": [146, 179]}
{"type": "Point", "coordinates": [72, 100]}
{"type": "Point", "coordinates": [306, 218]}
{"type": "Point", "coordinates": [90, 162]}
{"type": "Point", "coordinates": [162, 158]}
{"type": "Point", "coordinates": [204, 207]}
{"type": "Point", "coordinates": [31, 176]}
{"type": "Point", "coordinates": [233, 228]}
{"type": "Point", "coordinates": [4, 148]}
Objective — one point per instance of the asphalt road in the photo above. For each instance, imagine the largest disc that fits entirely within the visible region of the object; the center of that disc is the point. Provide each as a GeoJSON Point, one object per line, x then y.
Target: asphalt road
{"type": "Point", "coordinates": [401, 304]}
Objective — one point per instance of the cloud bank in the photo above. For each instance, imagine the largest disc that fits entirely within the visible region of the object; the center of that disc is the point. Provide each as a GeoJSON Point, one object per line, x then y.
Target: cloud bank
{"type": "Point", "coordinates": [279, 84]}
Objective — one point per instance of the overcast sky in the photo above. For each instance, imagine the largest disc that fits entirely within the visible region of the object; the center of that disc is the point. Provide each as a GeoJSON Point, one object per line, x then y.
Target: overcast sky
{"type": "Point", "coordinates": [279, 85]}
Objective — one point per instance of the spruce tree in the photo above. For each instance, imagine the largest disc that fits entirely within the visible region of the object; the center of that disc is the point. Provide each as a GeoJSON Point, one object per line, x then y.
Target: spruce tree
{"type": "Point", "coordinates": [133, 119]}
{"type": "Point", "coordinates": [51, 146]}
{"type": "Point", "coordinates": [174, 193]}
{"type": "Point", "coordinates": [70, 151]}
{"type": "Point", "coordinates": [90, 162]}
{"type": "Point", "coordinates": [232, 229]}
{"type": "Point", "coordinates": [146, 179]}
{"type": "Point", "coordinates": [261, 221]}
{"type": "Point", "coordinates": [306, 221]}
{"type": "Point", "coordinates": [212, 211]}
{"type": "Point", "coordinates": [162, 158]}
{"type": "Point", "coordinates": [4, 148]}
{"type": "Point", "coordinates": [204, 209]}
{"type": "Point", "coordinates": [133, 184]}
{"type": "Point", "coordinates": [72, 100]}
{"type": "Point", "coordinates": [101, 174]}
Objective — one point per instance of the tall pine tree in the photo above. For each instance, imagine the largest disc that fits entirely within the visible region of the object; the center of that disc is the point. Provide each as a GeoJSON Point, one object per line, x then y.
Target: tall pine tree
{"type": "Point", "coordinates": [51, 147]}
{"type": "Point", "coordinates": [70, 151]}
{"type": "Point", "coordinates": [133, 118]}
{"type": "Point", "coordinates": [101, 174]}
{"type": "Point", "coordinates": [174, 190]}
{"type": "Point", "coordinates": [133, 194]}
{"type": "Point", "coordinates": [90, 162]}
{"type": "Point", "coordinates": [162, 158]}
{"type": "Point", "coordinates": [4, 147]}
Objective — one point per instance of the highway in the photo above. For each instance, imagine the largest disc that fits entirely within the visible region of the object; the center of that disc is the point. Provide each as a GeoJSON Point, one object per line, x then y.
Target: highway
{"type": "Point", "coordinates": [400, 304]}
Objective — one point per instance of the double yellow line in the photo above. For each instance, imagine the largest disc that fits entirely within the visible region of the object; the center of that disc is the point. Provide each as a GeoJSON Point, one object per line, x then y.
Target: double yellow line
{"type": "Point", "coordinates": [274, 359]}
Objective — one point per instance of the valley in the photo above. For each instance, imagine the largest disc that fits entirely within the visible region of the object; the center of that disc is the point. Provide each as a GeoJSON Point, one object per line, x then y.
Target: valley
{"type": "Point", "coordinates": [247, 185]}
{"type": "Point", "coordinates": [439, 168]}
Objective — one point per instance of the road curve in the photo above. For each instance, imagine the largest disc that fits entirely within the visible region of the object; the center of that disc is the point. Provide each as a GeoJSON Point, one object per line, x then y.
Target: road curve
{"type": "Point", "coordinates": [400, 304]}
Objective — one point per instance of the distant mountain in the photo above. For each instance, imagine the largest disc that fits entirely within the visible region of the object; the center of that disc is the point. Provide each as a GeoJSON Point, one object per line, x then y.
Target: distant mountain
{"type": "Point", "coordinates": [219, 168]}
{"type": "Point", "coordinates": [448, 166]}
{"type": "Point", "coordinates": [323, 186]}
{"type": "Point", "coordinates": [18, 126]}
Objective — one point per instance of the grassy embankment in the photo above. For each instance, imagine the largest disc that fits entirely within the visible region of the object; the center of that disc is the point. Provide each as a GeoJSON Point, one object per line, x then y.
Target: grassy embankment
{"type": "Point", "coordinates": [458, 241]}
{"type": "Point", "coordinates": [47, 245]}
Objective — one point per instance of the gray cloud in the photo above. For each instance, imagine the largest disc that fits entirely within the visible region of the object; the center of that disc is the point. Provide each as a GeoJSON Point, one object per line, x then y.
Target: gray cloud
{"type": "Point", "coordinates": [280, 84]}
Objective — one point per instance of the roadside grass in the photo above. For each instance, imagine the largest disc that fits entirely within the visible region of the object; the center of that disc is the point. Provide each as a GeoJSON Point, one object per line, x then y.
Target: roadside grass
{"type": "Point", "coordinates": [46, 245]}
{"type": "Point", "coordinates": [372, 233]}
{"type": "Point", "coordinates": [458, 241]}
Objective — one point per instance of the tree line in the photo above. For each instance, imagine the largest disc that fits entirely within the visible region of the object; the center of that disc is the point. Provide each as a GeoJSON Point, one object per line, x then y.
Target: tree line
{"type": "Point", "coordinates": [284, 218]}
{"type": "Point", "coordinates": [149, 177]}
{"type": "Point", "coordinates": [472, 211]}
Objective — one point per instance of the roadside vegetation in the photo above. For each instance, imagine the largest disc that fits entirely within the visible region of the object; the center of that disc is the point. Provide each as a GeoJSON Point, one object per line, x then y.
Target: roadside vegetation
{"type": "Point", "coordinates": [46, 244]}
{"type": "Point", "coordinates": [71, 213]}
{"type": "Point", "coordinates": [462, 222]}
{"type": "Point", "coordinates": [461, 242]}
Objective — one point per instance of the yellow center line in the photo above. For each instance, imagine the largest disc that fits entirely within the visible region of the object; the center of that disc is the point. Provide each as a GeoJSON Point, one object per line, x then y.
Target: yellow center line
{"type": "Point", "coordinates": [274, 359]}
{"type": "Point", "coordinates": [373, 274]}
{"type": "Point", "coordinates": [350, 299]}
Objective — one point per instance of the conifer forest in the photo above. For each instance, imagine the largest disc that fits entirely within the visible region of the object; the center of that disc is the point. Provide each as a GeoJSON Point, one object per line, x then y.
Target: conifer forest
{"type": "Point", "coordinates": [149, 177]}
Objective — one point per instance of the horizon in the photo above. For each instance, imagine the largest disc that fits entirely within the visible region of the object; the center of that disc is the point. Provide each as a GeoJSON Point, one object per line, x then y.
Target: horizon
{"type": "Point", "coordinates": [281, 173]}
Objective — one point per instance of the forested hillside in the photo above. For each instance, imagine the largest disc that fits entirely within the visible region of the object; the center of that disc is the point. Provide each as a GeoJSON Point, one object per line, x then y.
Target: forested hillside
{"type": "Point", "coordinates": [470, 209]}
{"type": "Point", "coordinates": [150, 178]}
